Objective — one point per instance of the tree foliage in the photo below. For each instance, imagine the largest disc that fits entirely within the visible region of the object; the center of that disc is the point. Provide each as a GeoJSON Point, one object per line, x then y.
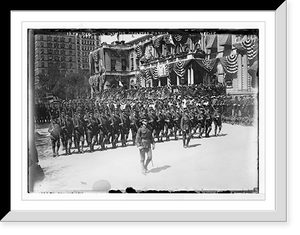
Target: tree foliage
{"type": "Point", "coordinates": [63, 84]}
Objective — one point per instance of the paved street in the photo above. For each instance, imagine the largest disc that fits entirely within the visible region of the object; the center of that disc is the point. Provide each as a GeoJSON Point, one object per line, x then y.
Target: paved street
{"type": "Point", "coordinates": [228, 162]}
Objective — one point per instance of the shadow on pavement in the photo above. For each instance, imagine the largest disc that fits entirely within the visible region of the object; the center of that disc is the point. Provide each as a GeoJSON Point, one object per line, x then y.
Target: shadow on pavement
{"type": "Point", "coordinates": [159, 169]}
{"type": "Point", "coordinates": [193, 145]}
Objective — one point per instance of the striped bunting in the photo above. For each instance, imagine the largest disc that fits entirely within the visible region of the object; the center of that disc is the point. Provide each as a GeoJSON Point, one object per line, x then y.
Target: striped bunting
{"type": "Point", "coordinates": [207, 64]}
{"type": "Point", "coordinates": [179, 68]}
{"type": "Point", "coordinates": [147, 75]}
{"type": "Point", "coordinates": [157, 41]}
{"type": "Point", "coordinates": [250, 45]}
{"type": "Point", "coordinates": [139, 51]}
{"type": "Point", "coordinates": [154, 72]}
{"type": "Point", "coordinates": [229, 63]}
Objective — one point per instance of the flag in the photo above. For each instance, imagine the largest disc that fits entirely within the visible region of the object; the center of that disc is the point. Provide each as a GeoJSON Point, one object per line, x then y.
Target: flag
{"type": "Point", "coordinates": [229, 63]}
{"type": "Point", "coordinates": [207, 64]}
{"type": "Point", "coordinates": [179, 68]}
{"type": "Point", "coordinates": [251, 46]}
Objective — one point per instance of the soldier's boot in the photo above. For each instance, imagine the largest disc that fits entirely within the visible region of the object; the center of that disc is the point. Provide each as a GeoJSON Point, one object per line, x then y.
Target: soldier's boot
{"type": "Point", "coordinates": [146, 164]}
{"type": "Point", "coordinates": [183, 140]}
{"type": "Point", "coordinates": [143, 169]}
{"type": "Point", "coordinates": [188, 141]}
{"type": "Point", "coordinates": [57, 153]}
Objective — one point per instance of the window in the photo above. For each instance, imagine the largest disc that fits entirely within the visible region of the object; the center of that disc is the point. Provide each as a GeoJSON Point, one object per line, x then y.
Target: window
{"type": "Point", "coordinates": [71, 58]}
{"type": "Point", "coordinates": [123, 61]}
{"type": "Point", "coordinates": [113, 65]}
{"type": "Point", "coordinates": [132, 63]}
{"type": "Point", "coordinates": [43, 64]}
{"type": "Point", "coordinates": [42, 38]}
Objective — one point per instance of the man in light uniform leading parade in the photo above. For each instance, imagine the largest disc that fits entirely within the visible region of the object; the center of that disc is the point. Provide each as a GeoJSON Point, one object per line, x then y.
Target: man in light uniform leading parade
{"type": "Point", "coordinates": [144, 142]}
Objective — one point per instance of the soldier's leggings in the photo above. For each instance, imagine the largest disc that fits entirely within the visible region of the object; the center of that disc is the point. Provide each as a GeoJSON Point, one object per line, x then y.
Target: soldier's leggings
{"type": "Point", "coordinates": [143, 153]}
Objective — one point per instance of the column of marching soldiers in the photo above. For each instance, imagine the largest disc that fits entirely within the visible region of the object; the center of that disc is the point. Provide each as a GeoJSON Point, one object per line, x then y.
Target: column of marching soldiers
{"type": "Point", "coordinates": [93, 124]}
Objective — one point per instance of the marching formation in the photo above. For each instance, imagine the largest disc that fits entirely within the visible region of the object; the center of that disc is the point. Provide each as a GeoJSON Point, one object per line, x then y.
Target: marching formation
{"type": "Point", "coordinates": [104, 121]}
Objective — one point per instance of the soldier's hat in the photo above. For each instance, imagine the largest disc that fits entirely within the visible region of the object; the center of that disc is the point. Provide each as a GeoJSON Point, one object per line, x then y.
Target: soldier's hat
{"type": "Point", "coordinates": [144, 120]}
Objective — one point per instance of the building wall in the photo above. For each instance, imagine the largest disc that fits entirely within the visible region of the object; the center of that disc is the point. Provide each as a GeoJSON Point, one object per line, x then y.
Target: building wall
{"type": "Point", "coordinates": [63, 52]}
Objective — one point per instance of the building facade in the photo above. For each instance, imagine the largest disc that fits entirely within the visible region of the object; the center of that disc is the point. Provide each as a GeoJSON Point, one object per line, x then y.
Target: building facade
{"type": "Point", "coordinates": [68, 53]}
{"type": "Point", "coordinates": [178, 59]}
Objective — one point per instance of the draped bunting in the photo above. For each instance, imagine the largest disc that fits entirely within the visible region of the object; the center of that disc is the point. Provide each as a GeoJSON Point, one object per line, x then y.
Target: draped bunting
{"type": "Point", "coordinates": [139, 50]}
{"type": "Point", "coordinates": [229, 63]}
{"type": "Point", "coordinates": [251, 46]}
{"type": "Point", "coordinates": [207, 64]}
{"type": "Point", "coordinates": [179, 69]}
{"type": "Point", "coordinates": [147, 75]}
{"type": "Point", "coordinates": [154, 72]}
{"type": "Point", "coordinates": [96, 60]}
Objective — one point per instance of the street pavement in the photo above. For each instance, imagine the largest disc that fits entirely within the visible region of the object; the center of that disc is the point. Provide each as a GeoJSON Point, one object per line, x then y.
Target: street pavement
{"type": "Point", "coordinates": [225, 162]}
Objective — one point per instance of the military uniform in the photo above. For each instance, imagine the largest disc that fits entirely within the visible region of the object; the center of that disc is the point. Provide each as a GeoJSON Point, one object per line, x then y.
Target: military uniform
{"type": "Point", "coordinates": [55, 132]}
{"type": "Point", "coordinates": [144, 140]}
{"type": "Point", "coordinates": [67, 133]}
{"type": "Point", "coordinates": [79, 125]}
{"type": "Point", "coordinates": [185, 126]}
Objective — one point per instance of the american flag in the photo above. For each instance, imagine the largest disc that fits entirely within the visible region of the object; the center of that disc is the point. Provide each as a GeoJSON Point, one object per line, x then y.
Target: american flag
{"type": "Point", "coordinates": [251, 46]}
{"type": "Point", "coordinates": [229, 63]}
{"type": "Point", "coordinates": [154, 72]}
{"type": "Point", "coordinates": [179, 68]}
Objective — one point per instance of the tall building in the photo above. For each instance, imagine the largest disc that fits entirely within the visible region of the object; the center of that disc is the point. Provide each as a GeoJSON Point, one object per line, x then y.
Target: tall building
{"type": "Point", "coordinates": [54, 51]}
{"type": "Point", "coordinates": [68, 53]}
{"type": "Point", "coordinates": [85, 43]}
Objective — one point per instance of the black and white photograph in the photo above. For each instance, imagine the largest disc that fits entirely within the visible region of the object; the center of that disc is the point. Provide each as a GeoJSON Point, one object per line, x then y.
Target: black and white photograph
{"type": "Point", "coordinates": [148, 116]}
{"type": "Point", "coordinates": [143, 110]}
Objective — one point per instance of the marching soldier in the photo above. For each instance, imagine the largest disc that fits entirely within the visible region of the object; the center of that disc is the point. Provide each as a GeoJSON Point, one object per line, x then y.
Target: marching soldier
{"type": "Point", "coordinates": [185, 126]}
{"type": "Point", "coordinates": [55, 132]}
{"type": "Point", "coordinates": [67, 132]}
{"type": "Point", "coordinates": [217, 119]}
{"type": "Point", "coordinates": [79, 125]}
{"type": "Point", "coordinates": [144, 142]}
{"type": "Point", "coordinates": [91, 131]}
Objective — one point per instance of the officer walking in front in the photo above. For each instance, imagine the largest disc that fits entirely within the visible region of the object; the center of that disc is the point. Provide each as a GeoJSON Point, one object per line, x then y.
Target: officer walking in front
{"type": "Point", "coordinates": [144, 142]}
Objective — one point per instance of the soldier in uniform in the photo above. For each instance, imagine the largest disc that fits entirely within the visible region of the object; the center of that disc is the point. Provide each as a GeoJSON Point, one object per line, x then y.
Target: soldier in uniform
{"type": "Point", "coordinates": [79, 125]}
{"type": "Point", "coordinates": [217, 119]}
{"type": "Point", "coordinates": [55, 132]}
{"type": "Point", "coordinates": [208, 122]}
{"type": "Point", "coordinates": [144, 142]}
{"type": "Point", "coordinates": [67, 132]}
{"type": "Point", "coordinates": [115, 122]}
{"type": "Point", "coordinates": [185, 126]}
{"type": "Point", "coordinates": [134, 124]}
{"type": "Point", "coordinates": [92, 127]}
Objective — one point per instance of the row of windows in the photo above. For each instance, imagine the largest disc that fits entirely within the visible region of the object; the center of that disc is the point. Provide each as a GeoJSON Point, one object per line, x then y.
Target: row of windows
{"type": "Point", "coordinates": [43, 71]}
{"type": "Point", "coordinates": [55, 38]}
{"type": "Point", "coordinates": [88, 42]}
{"type": "Point", "coordinates": [86, 48]}
{"type": "Point", "coordinates": [56, 45]}
{"type": "Point", "coordinates": [58, 65]}
{"type": "Point", "coordinates": [83, 54]}
{"type": "Point", "coordinates": [83, 60]}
